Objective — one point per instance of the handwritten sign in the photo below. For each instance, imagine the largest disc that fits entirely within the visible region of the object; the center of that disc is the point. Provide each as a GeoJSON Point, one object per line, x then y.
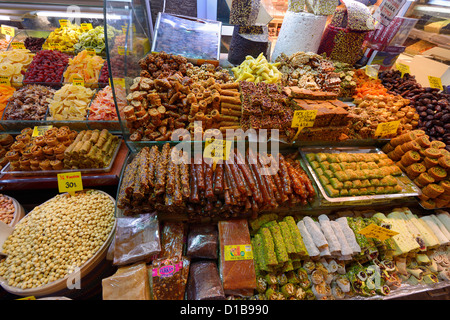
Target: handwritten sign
{"type": "Point", "coordinates": [371, 72]}
{"type": "Point", "coordinates": [5, 80]}
{"type": "Point", "coordinates": [63, 23]}
{"type": "Point", "coordinates": [122, 51]}
{"type": "Point", "coordinates": [435, 83]}
{"type": "Point", "coordinates": [377, 232]}
{"type": "Point", "coordinates": [17, 45]}
{"type": "Point", "coordinates": [217, 149]}
{"type": "Point", "coordinates": [387, 128]}
{"type": "Point", "coordinates": [77, 81]}
{"type": "Point", "coordinates": [86, 26]}
{"type": "Point", "coordinates": [70, 182]}
{"type": "Point", "coordinates": [8, 30]}
{"type": "Point", "coordinates": [403, 68]}
{"type": "Point", "coordinates": [304, 118]}
{"type": "Point", "coordinates": [40, 130]}
{"type": "Point", "coordinates": [90, 51]}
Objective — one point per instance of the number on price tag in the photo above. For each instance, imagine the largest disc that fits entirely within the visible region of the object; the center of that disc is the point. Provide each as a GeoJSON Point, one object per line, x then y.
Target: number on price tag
{"type": "Point", "coordinates": [387, 128]}
{"type": "Point", "coordinates": [76, 81]}
{"type": "Point", "coordinates": [304, 118]}
{"type": "Point", "coordinates": [70, 182]}
{"type": "Point", "coordinates": [377, 232]}
{"type": "Point", "coordinates": [8, 30]}
{"type": "Point", "coordinates": [117, 82]}
{"type": "Point", "coordinates": [435, 83]}
{"type": "Point", "coordinates": [86, 26]}
{"type": "Point", "coordinates": [217, 149]}
{"type": "Point", "coordinates": [63, 23]}
{"type": "Point", "coordinates": [40, 130]}
{"type": "Point", "coordinates": [403, 68]}
{"type": "Point", "coordinates": [121, 51]}
{"type": "Point", "coordinates": [17, 45]}
{"type": "Point", "coordinates": [5, 80]}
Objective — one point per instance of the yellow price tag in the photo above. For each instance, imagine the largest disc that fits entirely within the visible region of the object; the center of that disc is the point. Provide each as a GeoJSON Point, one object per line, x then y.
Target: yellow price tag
{"type": "Point", "coordinates": [63, 23]}
{"type": "Point", "coordinates": [371, 72]}
{"type": "Point", "coordinates": [238, 252]}
{"type": "Point", "coordinates": [76, 81]}
{"type": "Point", "coordinates": [377, 232]}
{"type": "Point", "coordinates": [27, 298]}
{"type": "Point", "coordinates": [435, 83]}
{"type": "Point", "coordinates": [90, 51]}
{"type": "Point", "coordinates": [217, 149]}
{"type": "Point", "coordinates": [304, 118]}
{"type": "Point", "coordinates": [403, 68]}
{"type": "Point", "coordinates": [5, 80]}
{"type": "Point", "coordinates": [117, 82]}
{"type": "Point", "coordinates": [387, 128]}
{"type": "Point", "coordinates": [54, 46]}
{"type": "Point", "coordinates": [17, 45]}
{"type": "Point", "coordinates": [8, 30]}
{"type": "Point", "coordinates": [121, 51]}
{"type": "Point", "coordinates": [70, 182]}
{"type": "Point", "coordinates": [40, 130]}
{"type": "Point", "coordinates": [86, 26]}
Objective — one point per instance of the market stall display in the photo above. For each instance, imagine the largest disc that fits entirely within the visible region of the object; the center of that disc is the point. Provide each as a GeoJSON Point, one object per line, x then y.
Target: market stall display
{"type": "Point", "coordinates": [13, 63]}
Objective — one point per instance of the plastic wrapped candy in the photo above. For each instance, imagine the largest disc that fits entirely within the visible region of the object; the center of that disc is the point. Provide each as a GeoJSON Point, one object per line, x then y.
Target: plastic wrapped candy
{"type": "Point", "coordinates": [169, 278]}
{"type": "Point", "coordinates": [202, 242]}
{"type": "Point", "coordinates": [128, 283]}
{"type": "Point", "coordinates": [172, 239]}
{"type": "Point", "coordinates": [343, 38]}
{"type": "Point", "coordinates": [137, 239]}
{"type": "Point", "coordinates": [204, 282]}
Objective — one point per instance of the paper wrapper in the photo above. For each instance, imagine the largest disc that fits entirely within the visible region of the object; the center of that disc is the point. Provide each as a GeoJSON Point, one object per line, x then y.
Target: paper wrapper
{"type": "Point", "coordinates": [300, 32]}
{"type": "Point", "coordinates": [341, 44]}
{"type": "Point", "coordinates": [128, 283]}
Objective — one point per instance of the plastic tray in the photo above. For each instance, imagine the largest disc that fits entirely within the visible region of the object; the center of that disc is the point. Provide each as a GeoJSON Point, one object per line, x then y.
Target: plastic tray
{"type": "Point", "coordinates": [409, 189]}
{"type": "Point", "coordinates": [6, 170]}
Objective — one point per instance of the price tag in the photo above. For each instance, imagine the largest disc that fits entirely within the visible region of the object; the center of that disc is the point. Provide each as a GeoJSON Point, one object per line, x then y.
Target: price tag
{"type": "Point", "coordinates": [121, 51]}
{"type": "Point", "coordinates": [387, 128]}
{"type": "Point", "coordinates": [5, 80]}
{"type": "Point", "coordinates": [17, 45]}
{"type": "Point", "coordinates": [117, 82]}
{"type": "Point", "coordinates": [63, 23]}
{"type": "Point", "coordinates": [27, 298]}
{"type": "Point", "coordinates": [303, 119]}
{"type": "Point", "coordinates": [40, 130]}
{"type": "Point", "coordinates": [54, 46]}
{"type": "Point", "coordinates": [8, 30]}
{"type": "Point", "coordinates": [217, 149]}
{"type": "Point", "coordinates": [371, 72]}
{"type": "Point", "coordinates": [377, 232]}
{"type": "Point", "coordinates": [90, 51]}
{"type": "Point", "coordinates": [70, 182]}
{"type": "Point", "coordinates": [403, 68]}
{"type": "Point", "coordinates": [435, 83]}
{"type": "Point", "coordinates": [86, 26]}
{"type": "Point", "coordinates": [238, 252]}
{"type": "Point", "coordinates": [76, 81]}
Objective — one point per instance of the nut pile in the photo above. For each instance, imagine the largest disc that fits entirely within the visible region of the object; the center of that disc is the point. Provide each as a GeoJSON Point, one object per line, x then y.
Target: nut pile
{"type": "Point", "coordinates": [6, 209]}
{"type": "Point", "coordinates": [29, 103]}
{"type": "Point", "coordinates": [57, 237]}
{"type": "Point", "coordinates": [433, 106]}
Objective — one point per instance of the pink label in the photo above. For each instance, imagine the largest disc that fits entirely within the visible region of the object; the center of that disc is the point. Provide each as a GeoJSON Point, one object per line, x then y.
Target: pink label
{"type": "Point", "coordinates": [167, 270]}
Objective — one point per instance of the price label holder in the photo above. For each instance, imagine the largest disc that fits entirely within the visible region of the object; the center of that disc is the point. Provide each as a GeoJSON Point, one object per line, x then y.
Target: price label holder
{"type": "Point", "coordinates": [40, 130]}
{"type": "Point", "coordinates": [371, 72]}
{"type": "Point", "coordinates": [54, 46]}
{"type": "Point", "coordinates": [17, 45]}
{"type": "Point", "coordinates": [76, 81]}
{"type": "Point", "coordinates": [5, 80]}
{"type": "Point", "coordinates": [91, 51]}
{"type": "Point", "coordinates": [63, 23]}
{"type": "Point", "coordinates": [377, 232]}
{"type": "Point", "coordinates": [217, 149]}
{"type": "Point", "coordinates": [403, 68]}
{"type": "Point", "coordinates": [435, 83]}
{"type": "Point", "coordinates": [303, 119]}
{"type": "Point", "coordinates": [117, 82]}
{"type": "Point", "coordinates": [122, 51]}
{"type": "Point", "coordinates": [8, 31]}
{"type": "Point", "coordinates": [70, 182]}
{"type": "Point", "coordinates": [387, 128]}
{"type": "Point", "coordinates": [86, 26]}
{"type": "Point", "coordinates": [27, 298]}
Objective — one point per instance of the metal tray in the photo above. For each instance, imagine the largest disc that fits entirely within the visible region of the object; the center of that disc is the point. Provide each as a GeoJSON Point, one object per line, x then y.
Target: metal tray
{"type": "Point", "coordinates": [6, 169]}
{"type": "Point", "coordinates": [409, 189]}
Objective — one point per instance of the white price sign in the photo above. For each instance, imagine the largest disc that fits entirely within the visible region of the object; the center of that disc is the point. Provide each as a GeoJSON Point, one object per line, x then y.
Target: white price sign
{"type": "Point", "coordinates": [387, 11]}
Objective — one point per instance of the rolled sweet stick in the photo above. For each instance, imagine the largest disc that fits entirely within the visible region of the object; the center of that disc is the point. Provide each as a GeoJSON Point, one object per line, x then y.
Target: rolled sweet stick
{"type": "Point", "coordinates": [349, 235]}
{"type": "Point", "coordinates": [279, 185]}
{"type": "Point", "coordinates": [215, 114]}
{"type": "Point", "coordinates": [284, 175]}
{"type": "Point", "coordinates": [319, 239]}
{"type": "Point", "coordinates": [231, 112]}
{"type": "Point", "coordinates": [170, 183]}
{"type": "Point", "coordinates": [231, 85]}
{"type": "Point", "coordinates": [229, 92]}
{"type": "Point", "coordinates": [209, 188]}
{"type": "Point", "coordinates": [225, 128]}
{"type": "Point", "coordinates": [198, 163]}
{"type": "Point", "coordinates": [153, 157]}
{"type": "Point", "coordinates": [207, 92]}
{"type": "Point", "coordinates": [194, 109]}
{"type": "Point", "coordinates": [199, 96]}
{"type": "Point", "coordinates": [436, 230]}
{"type": "Point", "coordinates": [194, 196]}
{"type": "Point", "coordinates": [296, 183]}
{"type": "Point", "coordinates": [195, 89]}
{"type": "Point", "coordinates": [177, 195]}
{"type": "Point", "coordinates": [311, 248]}
{"type": "Point", "coordinates": [218, 179]}
{"type": "Point", "coordinates": [190, 98]}
{"type": "Point", "coordinates": [230, 99]}
{"type": "Point", "coordinates": [199, 116]}
{"type": "Point", "coordinates": [264, 180]}
{"type": "Point", "coordinates": [329, 234]}
{"type": "Point", "coordinates": [226, 189]}
{"type": "Point", "coordinates": [441, 226]}
{"type": "Point", "coordinates": [174, 98]}
{"type": "Point", "coordinates": [228, 118]}
{"type": "Point", "coordinates": [202, 105]}
{"type": "Point", "coordinates": [235, 175]}
{"type": "Point", "coordinates": [231, 106]}
{"type": "Point", "coordinates": [161, 169]}
{"type": "Point", "coordinates": [345, 248]}
{"type": "Point", "coordinates": [229, 123]}
{"type": "Point", "coordinates": [248, 176]}
{"type": "Point", "coordinates": [234, 190]}
{"type": "Point", "coordinates": [258, 178]}
{"type": "Point", "coordinates": [215, 97]}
